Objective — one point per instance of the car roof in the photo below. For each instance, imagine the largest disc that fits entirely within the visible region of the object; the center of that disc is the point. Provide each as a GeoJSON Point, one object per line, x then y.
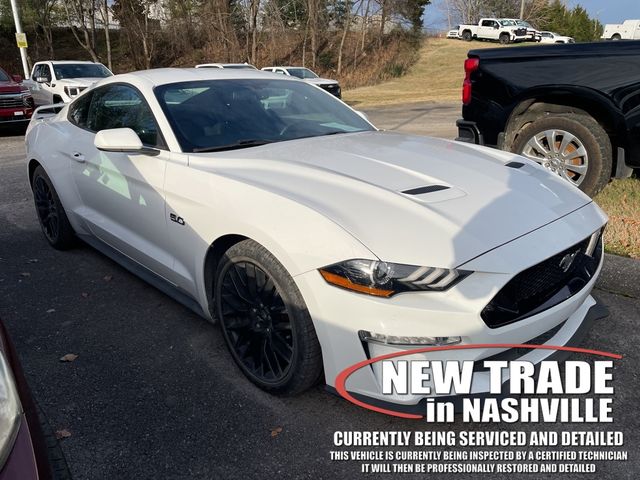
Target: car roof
{"type": "Point", "coordinates": [164, 76]}
{"type": "Point", "coordinates": [287, 67]}
{"type": "Point", "coordinates": [223, 65]}
{"type": "Point", "coordinates": [63, 62]}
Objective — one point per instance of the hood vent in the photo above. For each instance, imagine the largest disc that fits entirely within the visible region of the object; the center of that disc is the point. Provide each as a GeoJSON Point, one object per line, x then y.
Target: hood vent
{"type": "Point", "coordinates": [514, 164]}
{"type": "Point", "coordinates": [426, 189]}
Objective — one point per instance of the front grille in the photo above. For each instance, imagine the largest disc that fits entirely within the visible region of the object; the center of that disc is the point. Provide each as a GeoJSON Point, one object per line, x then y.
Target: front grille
{"type": "Point", "coordinates": [544, 285]}
{"type": "Point", "coordinates": [521, 32]}
{"type": "Point", "coordinates": [513, 354]}
{"type": "Point", "coordinates": [11, 101]}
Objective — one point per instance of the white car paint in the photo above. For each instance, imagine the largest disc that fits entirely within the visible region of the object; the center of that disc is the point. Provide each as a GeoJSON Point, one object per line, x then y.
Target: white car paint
{"type": "Point", "coordinates": [227, 65]}
{"type": "Point", "coordinates": [317, 201]}
{"type": "Point", "coordinates": [323, 83]}
{"type": "Point", "coordinates": [58, 90]}
{"type": "Point", "coordinates": [627, 30]}
{"type": "Point", "coordinates": [551, 37]}
{"type": "Point", "coordinates": [492, 29]}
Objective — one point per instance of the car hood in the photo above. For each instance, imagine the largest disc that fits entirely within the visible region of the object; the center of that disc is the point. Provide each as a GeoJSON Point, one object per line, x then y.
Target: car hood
{"type": "Point", "coordinates": [79, 82]}
{"type": "Point", "coordinates": [465, 200]}
{"type": "Point", "coordinates": [320, 81]}
{"type": "Point", "coordinates": [10, 87]}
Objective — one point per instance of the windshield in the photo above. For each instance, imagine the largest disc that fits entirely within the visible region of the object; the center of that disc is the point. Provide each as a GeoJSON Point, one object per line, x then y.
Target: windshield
{"type": "Point", "coordinates": [3, 76]}
{"type": "Point", "coordinates": [301, 73]}
{"type": "Point", "coordinates": [81, 70]}
{"type": "Point", "coordinates": [240, 113]}
{"type": "Point", "coordinates": [507, 23]}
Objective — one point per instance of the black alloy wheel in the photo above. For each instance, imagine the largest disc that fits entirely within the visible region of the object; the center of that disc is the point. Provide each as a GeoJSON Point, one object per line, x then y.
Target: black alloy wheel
{"type": "Point", "coordinates": [51, 215]}
{"type": "Point", "coordinates": [265, 321]}
{"type": "Point", "coordinates": [256, 322]}
{"type": "Point", "coordinates": [46, 206]}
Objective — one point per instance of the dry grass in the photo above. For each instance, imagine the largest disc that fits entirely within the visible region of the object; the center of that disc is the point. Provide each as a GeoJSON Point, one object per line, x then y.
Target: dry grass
{"type": "Point", "coordinates": [621, 201]}
{"type": "Point", "coordinates": [436, 76]}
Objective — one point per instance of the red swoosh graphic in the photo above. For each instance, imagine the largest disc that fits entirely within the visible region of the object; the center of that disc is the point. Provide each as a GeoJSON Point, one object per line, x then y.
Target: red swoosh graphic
{"type": "Point", "coordinates": [342, 377]}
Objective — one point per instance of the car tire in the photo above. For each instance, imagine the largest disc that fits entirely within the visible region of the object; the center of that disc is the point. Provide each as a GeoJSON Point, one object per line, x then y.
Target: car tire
{"type": "Point", "coordinates": [51, 215]}
{"type": "Point", "coordinates": [466, 36]}
{"type": "Point", "coordinates": [504, 38]}
{"type": "Point", "coordinates": [587, 133]}
{"type": "Point", "coordinates": [57, 461]}
{"type": "Point", "coordinates": [616, 37]}
{"type": "Point", "coordinates": [265, 321]}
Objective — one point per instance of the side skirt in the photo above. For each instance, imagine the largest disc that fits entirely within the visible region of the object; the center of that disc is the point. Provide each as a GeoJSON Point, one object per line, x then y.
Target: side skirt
{"type": "Point", "coordinates": [145, 274]}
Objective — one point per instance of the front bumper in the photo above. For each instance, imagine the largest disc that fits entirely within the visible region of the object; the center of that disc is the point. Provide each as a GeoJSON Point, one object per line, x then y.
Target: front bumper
{"type": "Point", "coordinates": [469, 132]}
{"type": "Point", "coordinates": [339, 314]}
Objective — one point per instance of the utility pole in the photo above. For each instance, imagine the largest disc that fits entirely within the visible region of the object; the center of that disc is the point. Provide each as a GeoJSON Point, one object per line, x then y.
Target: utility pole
{"type": "Point", "coordinates": [23, 50]}
{"type": "Point", "coordinates": [521, 9]}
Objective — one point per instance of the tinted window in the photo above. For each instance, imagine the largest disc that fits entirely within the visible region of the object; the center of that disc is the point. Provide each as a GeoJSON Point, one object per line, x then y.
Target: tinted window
{"type": "Point", "coordinates": [121, 106]}
{"type": "Point", "coordinates": [3, 76]}
{"type": "Point", "coordinates": [216, 114]}
{"type": "Point", "coordinates": [79, 109]}
{"type": "Point", "coordinates": [302, 73]}
{"type": "Point", "coordinates": [81, 70]}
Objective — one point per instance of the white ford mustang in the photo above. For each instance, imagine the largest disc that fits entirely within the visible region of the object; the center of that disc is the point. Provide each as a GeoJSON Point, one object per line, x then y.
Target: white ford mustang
{"type": "Point", "coordinates": [315, 240]}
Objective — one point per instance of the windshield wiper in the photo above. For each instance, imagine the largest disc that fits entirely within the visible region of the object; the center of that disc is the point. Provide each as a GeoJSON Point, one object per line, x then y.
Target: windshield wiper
{"type": "Point", "coordinates": [234, 146]}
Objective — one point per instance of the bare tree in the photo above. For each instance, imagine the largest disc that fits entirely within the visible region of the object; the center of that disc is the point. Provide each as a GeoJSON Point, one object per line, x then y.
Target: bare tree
{"type": "Point", "coordinates": [81, 15]}
{"type": "Point", "coordinates": [104, 13]}
{"type": "Point", "coordinates": [43, 13]}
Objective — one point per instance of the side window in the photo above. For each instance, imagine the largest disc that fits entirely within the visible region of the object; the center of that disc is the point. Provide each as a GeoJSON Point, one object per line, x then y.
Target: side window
{"type": "Point", "coordinates": [37, 72]}
{"type": "Point", "coordinates": [79, 109]}
{"type": "Point", "coordinates": [45, 71]}
{"type": "Point", "coordinates": [122, 106]}
{"type": "Point", "coordinates": [487, 23]}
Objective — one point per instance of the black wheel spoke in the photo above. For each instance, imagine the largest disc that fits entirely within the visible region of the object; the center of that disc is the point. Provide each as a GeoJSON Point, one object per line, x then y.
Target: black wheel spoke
{"type": "Point", "coordinates": [256, 322]}
{"type": "Point", "coordinates": [46, 208]}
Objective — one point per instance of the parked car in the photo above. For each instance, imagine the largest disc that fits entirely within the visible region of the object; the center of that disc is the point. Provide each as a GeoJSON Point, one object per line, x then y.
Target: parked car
{"type": "Point", "coordinates": [315, 240]}
{"type": "Point", "coordinates": [16, 102]}
{"type": "Point", "coordinates": [59, 81]}
{"type": "Point", "coordinates": [28, 448]}
{"type": "Point", "coordinates": [331, 86]}
{"type": "Point", "coordinates": [577, 117]}
{"type": "Point", "coordinates": [628, 30]}
{"type": "Point", "coordinates": [532, 33]}
{"type": "Point", "coordinates": [453, 33]}
{"type": "Point", "coordinates": [551, 37]}
{"type": "Point", "coordinates": [504, 31]}
{"type": "Point", "coordinates": [240, 66]}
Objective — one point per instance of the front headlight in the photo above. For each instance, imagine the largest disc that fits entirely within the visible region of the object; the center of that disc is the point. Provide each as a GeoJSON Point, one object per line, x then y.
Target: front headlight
{"type": "Point", "coordinates": [72, 91]}
{"type": "Point", "coordinates": [10, 411]}
{"type": "Point", "coordinates": [383, 279]}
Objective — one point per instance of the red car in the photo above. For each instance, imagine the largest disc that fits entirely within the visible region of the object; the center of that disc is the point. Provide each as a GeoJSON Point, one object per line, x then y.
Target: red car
{"type": "Point", "coordinates": [28, 448]}
{"type": "Point", "coordinates": [16, 102]}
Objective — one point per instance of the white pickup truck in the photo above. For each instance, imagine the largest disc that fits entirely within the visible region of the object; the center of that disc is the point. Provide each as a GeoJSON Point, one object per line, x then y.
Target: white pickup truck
{"type": "Point", "coordinates": [500, 29]}
{"type": "Point", "coordinates": [59, 81]}
{"type": "Point", "coordinates": [628, 30]}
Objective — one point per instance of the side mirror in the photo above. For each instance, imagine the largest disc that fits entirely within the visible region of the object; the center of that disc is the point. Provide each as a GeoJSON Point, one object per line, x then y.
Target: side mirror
{"type": "Point", "coordinates": [16, 78]}
{"type": "Point", "coordinates": [118, 140]}
{"type": "Point", "coordinates": [43, 79]}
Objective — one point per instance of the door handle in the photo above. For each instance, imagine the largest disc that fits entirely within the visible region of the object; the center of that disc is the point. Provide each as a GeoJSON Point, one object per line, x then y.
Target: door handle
{"type": "Point", "coordinates": [78, 157]}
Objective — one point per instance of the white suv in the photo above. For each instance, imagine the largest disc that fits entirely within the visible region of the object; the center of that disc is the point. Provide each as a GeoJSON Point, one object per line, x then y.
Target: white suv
{"type": "Point", "coordinates": [331, 86]}
{"type": "Point", "coordinates": [59, 81]}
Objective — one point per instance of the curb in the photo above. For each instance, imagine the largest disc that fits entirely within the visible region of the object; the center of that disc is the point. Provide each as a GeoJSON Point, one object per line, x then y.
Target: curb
{"type": "Point", "coordinates": [620, 275]}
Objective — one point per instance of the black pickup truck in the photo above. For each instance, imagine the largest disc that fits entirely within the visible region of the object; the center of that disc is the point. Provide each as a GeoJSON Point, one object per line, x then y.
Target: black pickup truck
{"type": "Point", "coordinates": [574, 108]}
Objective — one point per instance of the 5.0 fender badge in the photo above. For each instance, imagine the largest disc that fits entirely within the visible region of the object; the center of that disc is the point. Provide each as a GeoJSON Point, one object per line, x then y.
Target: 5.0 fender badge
{"type": "Point", "coordinates": [176, 218]}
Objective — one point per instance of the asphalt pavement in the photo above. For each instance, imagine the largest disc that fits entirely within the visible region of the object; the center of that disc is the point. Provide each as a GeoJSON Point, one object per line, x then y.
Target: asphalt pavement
{"type": "Point", "coordinates": [153, 393]}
